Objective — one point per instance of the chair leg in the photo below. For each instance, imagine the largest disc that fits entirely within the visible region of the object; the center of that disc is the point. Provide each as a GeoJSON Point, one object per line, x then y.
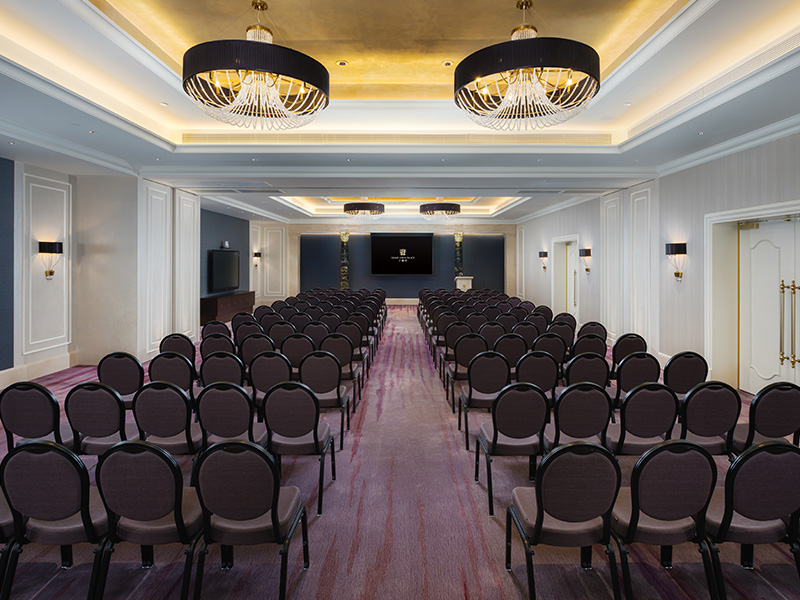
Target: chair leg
{"type": "Point", "coordinates": [508, 539]}
{"type": "Point", "coordinates": [98, 560]}
{"type": "Point", "coordinates": [714, 551]}
{"type": "Point", "coordinates": [105, 563]}
{"type": "Point", "coordinates": [13, 559]}
{"type": "Point", "coordinates": [304, 530]}
{"type": "Point", "coordinates": [66, 557]}
{"type": "Point", "coordinates": [529, 569]}
{"type": "Point", "coordinates": [341, 430]}
{"type": "Point", "coordinates": [201, 563]}
{"type": "Point", "coordinates": [489, 482]}
{"type": "Point", "coordinates": [612, 566]}
{"type": "Point", "coordinates": [586, 558]}
{"type": "Point", "coordinates": [4, 554]}
{"type": "Point", "coordinates": [321, 484]}
{"type": "Point", "coordinates": [466, 425]}
{"type": "Point", "coordinates": [626, 573]}
{"type": "Point", "coordinates": [226, 555]}
{"type": "Point", "coordinates": [666, 557]}
{"type": "Point", "coordinates": [148, 558]}
{"type": "Point", "coordinates": [747, 555]}
{"type": "Point", "coordinates": [187, 568]}
{"type": "Point", "coordinates": [333, 463]}
{"type": "Point", "coordinates": [476, 464]}
{"type": "Point", "coordinates": [532, 468]}
{"type": "Point", "coordinates": [709, 569]}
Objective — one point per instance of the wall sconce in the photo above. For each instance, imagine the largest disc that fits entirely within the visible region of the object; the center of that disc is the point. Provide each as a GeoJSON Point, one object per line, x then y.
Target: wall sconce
{"type": "Point", "coordinates": [50, 253]}
{"type": "Point", "coordinates": [256, 259]}
{"type": "Point", "coordinates": [586, 258]}
{"type": "Point", "coordinates": [677, 257]}
{"type": "Point", "coordinates": [543, 258]}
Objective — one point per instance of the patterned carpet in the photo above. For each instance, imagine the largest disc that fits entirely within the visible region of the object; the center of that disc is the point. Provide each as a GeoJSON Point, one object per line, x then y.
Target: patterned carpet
{"type": "Point", "coordinates": [404, 520]}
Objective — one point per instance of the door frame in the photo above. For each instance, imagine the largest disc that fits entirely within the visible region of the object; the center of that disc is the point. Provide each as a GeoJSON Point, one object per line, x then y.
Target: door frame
{"type": "Point", "coordinates": [555, 264]}
{"type": "Point", "coordinates": [721, 285]}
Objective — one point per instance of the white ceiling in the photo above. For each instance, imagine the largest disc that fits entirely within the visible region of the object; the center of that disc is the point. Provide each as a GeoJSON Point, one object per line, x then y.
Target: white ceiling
{"type": "Point", "coordinates": [719, 76]}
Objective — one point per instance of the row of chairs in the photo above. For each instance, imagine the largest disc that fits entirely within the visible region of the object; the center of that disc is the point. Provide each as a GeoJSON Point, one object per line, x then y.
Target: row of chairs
{"type": "Point", "coordinates": [235, 499]}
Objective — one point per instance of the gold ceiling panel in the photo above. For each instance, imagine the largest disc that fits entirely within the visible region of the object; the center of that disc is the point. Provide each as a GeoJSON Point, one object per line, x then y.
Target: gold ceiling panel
{"type": "Point", "coordinates": [394, 50]}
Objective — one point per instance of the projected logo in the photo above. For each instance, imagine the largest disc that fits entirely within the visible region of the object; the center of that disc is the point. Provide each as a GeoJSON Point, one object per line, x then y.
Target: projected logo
{"type": "Point", "coordinates": [403, 256]}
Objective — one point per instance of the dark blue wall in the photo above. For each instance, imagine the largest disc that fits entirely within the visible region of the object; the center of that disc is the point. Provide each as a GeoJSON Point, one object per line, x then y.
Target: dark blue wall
{"type": "Point", "coordinates": [484, 259]}
{"type": "Point", "coordinates": [6, 264]}
{"type": "Point", "coordinates": [214, 228]}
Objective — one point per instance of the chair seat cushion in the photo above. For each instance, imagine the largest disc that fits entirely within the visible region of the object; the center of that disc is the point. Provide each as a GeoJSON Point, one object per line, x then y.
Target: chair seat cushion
{"type": "Point", "coordinates": [98, 445]}
{"type": "Point", "coordinates": [66, 532]}
{"type": "Point", "coordinates": [331, 400]}
{"type": "Point", "coordinates": [259, 530]}
{"type": "Point", "coordinates": [633, 444]}
{"type": "Point", "coordinates": [550, 436]}
{"type": "Point", "coordinates": [163, 530]}
{"type": "Point", "coordinates": [554, 531]}
{"type": "Point", "coordinates": [714, 445]}
{"type": "Point", "coordinates": [477, 399]}
{"type": "Point", "coordinates": [740, 437]}
{"type": "Point", "coordinates": [456, 373]}
{"type": "Point", "coordinates": [66, 437]}
{"type": "Point", "coordinates": [176, 444]}
{"type": "Point", "coordinates": [742, 529]}
{"type": "Point", "coordinates": [259, 436]}
{"type": "Point", "coordinates": [508, 446]}
{"type": "Point", "coordinates": [649, 530]}
{"type": "Point", "coordinates": [300, 445]}
{"type": "Point", "coordinates": [351, 371]}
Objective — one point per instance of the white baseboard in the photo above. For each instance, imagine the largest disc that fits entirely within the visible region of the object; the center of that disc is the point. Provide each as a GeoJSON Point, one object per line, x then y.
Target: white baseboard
{"type": "Point", "coordinates": [35, 370]}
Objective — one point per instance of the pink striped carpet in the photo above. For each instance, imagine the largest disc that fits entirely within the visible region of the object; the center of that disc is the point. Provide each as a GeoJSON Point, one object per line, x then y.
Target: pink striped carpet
{"type": "Point", "coordinates": [403, 520]}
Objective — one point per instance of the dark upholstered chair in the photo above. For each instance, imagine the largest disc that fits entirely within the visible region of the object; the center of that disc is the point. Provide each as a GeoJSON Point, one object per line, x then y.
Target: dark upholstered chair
{"type": "Point", "coordinates": [163, 414]}
{"type": "Point", "coordinates": [553, 344]}
{"type": "Point", "coordinates": [626, 344]}
{"type": "Point", "coordinates": [540, 369]}
{"type": "Point", "coordinates": [527, 305]}
{"type": "Point", "coordinates": [529, 331]}
{"type": "Point", "coordinates": [491, 332]}
{"type": "Point", "coordinates": [355, 334]}
{"type": "Point", "coordinates": [513, 346]}
{"type": "Point", "coordinates": [222, 366]}
{"type": "Point", "coordinates": [564, 330]}
{"type": "Point", "coordinates": [567, 318]}
{"type": "Point", "coordinates": [539, 320]}
{"type": "Point", "coordinates": [97, 417]}
{"type": "Point", "coordinates": [239, 318]}
{"type": "Point", "coordinates": [243, 503]}
{"type": "Point", "coordinates": [635, 369]}
{"type": "Point", "coordinates": [317, 331]}
{"type": "Point", "coordinates": [253, 345]}
{"type": "Point", "coordinates": [148, 505]}
{"type": "Point", "coordinates": [6, 536]}
{"type": "Point", "coordinates": [279, 331]}
{"type": "Point", "coordinates": [30, 411]}
{"type": "Point", "coordinates": [173, 368]}
{"type": "Point", "coordinates": [760, 504]}
{"type": "Point", "coordinates": [467, 347]}
{"type": "Point", "coordinates": [123, 372]}
{"type": "Point", "coordinates": [342, 348]}
{"type": "Point", "coordinates": [545, 311]}
{"type": "Point", "coordinates": [492, 312]}
{"type": "Point", "coordinates": [332, 320]}
{"type": "Point", "coordinates": [300, 320]}
{"type": "Point", "coordinates": [665, 505]}
{"type": "Point", "coordinates": [774, 414]}
{"type": "Point", "coordinates": [593, 328]}
{"type": "Point", "coordinates": [278, 304]}
{"type": "Point", "coordinates": [216, 342]}
{"type": "Point", "coordinates": [709, 414]}
{"type": "Point", "coordinates": [445, 352]}
{"type": "Point", "coordinates": [508, 321]}
{"type": "Point", "coordinates": [322, 373]}
{"type": "Point", "coordinates": [226, 412]}
{"type": "Point", "coordinates": [520, 312]}
{"type": "Point", "coordinates": [476, 321]}
{"type": "Point", "coordinates": [581, 413]}
{"type": "Point", "coordinates": [51, 503]}
{"type": "Point", "coordinates": [589, 343]}
{"type": "Point", "coordinates": [647, 417]}
{"type": "Point", "coordinates": [487, 374]}
{"type": "Point", "coordinates": [181, 344]}
{"type": "Point", "coordinates": [267, 319]}
{"type": "Point", "coordinates": [684, 371]}
{"type": "Point", "coordinates": [315, 312]}
{"type": "Point", "coordinates": [587, 367]}
{"type": "Point", "coordinates": [287, 311]}
{"type": "Point", "coordinates": [291, 413]}
{"type": "Point", "coordinates": [245, 329]}
{"type": "Point", "coordinates": [215, 327]}
{"type": "Point", "coordinates": [295, 347]}
{"type": "Point", "coordinates": [261, 310]}
{"type": "Point", "coordinates": [519, 413]}
{"type": "Point", "coordinates": [571, 505]}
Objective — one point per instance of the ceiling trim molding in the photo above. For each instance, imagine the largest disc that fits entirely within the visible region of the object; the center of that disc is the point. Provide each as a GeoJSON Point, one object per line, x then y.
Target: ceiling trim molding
{"type": "Point", "coordinates": [575, 201]}
{"type": "Point", "coordinates": [358, 148]}
{"type": "Point", "coordinates": [55, 91]}
{"type": "Point", "coordinates": [767, 134]}
{"type": "Point", "coordinates": [384, 219]}
{"type": "Point", "coordinates": [61, 146]}
{"type": "Point", "coordinates": [243, 206]}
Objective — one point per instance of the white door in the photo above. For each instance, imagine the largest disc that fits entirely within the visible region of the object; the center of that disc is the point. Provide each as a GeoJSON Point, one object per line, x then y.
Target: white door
{"type": "Point", "coordinates": [768, 264]}
{"type": "Point", "coordinates": [572, 279]}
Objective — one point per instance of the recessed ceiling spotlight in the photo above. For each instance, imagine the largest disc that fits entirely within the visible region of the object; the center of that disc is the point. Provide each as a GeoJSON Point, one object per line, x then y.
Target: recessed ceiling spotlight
{"type": "Point", "coordinates": [349, 159]}
{"type": "Point", "coordinates": [12, 143]}
{"type": "Point", "coordinates": [164, 103]}
{"type": "Point", "coordinates": [635, 160]}
{"type": "Point", "coordinates": [699, 133]}
{"type": "Point", "coordinates": [254, 159]}
{"type": "Point", "coordinates": [538, 160]}
{"type": "Point", "coordinates": [90, 131]}
{"type": "Point", "coordinates": [158, 159]}
{"type": "Point", "coordinates": [447, 63]}
{"type": "Point", "coordinates": [444, 160]}
{"type": "Point", "coordinates": [342, 63]}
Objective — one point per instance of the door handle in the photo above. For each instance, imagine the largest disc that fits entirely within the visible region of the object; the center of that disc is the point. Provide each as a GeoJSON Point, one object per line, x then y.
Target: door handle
{"type": "Point", "coordinates": [574, 288]}
{"type": "Point", "coordinates": [794, 289]}
{"type": "Point", "coordinates": [782, 288]}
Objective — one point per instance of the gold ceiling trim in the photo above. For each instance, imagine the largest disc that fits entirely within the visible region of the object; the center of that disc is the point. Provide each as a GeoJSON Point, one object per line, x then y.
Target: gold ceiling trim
{"type": "Point", "coordinates": [411, 139]}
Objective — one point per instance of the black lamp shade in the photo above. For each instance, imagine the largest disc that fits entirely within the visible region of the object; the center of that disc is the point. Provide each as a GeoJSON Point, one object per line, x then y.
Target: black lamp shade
{"type": "Point", "coordinates": [354, 208]}
{"type": "Point", "coordinates": [440, 208]}
{"type": "Point", "coordinates": [51, 248]}
{"type": "Point", "coordinates": [543, 254]}
{"type": "Point", "coordinates": [256, 254]}
{"type": "Point", "coordinates": [679, 248]}
{"type": "Point", "coordinates": [585, 252]}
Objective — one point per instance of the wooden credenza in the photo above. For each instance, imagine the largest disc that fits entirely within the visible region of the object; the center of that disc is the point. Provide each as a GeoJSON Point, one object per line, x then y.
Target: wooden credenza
{"type": "Point", "coordinates": [222, 308]}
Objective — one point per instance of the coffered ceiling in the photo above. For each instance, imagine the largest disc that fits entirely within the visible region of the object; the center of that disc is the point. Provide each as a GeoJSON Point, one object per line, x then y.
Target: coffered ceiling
{"type": "Point", "coordinates": [95, 87]}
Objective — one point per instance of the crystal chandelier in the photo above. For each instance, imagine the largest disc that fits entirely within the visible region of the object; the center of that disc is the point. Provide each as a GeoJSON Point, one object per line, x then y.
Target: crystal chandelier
{"type": "Point", "coordinates": [255, 83]}
{"type": "Point", "coordinates": [542, 82]}
{"type": "Point", "coordinates": [439, 210]}
{"type": "Point", "coordinates": [364, 210]}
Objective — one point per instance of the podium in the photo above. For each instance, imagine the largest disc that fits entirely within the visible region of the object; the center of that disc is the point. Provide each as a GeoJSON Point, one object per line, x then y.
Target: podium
{"type": "Point", "coordinates": [463, 283]}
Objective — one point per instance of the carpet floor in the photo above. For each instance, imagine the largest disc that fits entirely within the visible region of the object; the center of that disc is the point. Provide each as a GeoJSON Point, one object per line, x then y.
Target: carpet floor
{"type": "Point", "coordinates": [403, 520]}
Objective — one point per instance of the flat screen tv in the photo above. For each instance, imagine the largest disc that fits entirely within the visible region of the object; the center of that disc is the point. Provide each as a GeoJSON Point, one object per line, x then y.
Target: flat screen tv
{"type": "Point", "coordinates": [224, 266]}
{"type": "Point", "coordinates": [402, 253]}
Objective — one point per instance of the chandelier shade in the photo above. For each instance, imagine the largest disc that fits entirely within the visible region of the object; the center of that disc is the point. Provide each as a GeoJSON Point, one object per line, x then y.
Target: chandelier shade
{"type": "Point", "coordinates": [363, 208]}
{"type": "Point", "coordinates": [255, 83]}
{"type": "Point", "coordinates": [528, 82]}
{"type": "Point", "coordinates": [432, 209]}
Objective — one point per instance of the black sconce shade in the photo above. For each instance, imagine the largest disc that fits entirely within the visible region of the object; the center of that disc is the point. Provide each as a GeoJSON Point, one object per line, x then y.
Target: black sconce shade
{"type": "Point", "coordinates": [679, 248]}
{"type": "Point", "coordinates": [51, 248]}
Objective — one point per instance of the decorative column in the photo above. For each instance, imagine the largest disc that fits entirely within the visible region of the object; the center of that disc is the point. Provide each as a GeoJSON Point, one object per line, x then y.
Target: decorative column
{"type": "Point", "coordinates": [459, 237]}
{"type": "Point", "coordinates": [344, 261]}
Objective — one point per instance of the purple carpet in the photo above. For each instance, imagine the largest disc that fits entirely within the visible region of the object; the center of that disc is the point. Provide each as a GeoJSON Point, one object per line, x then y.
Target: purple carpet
{"type": "Point", "coordinates": [403, 520]}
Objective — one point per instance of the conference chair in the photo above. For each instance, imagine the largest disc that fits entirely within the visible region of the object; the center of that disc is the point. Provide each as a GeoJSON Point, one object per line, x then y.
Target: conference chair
{"type": "Point", "coordinates": [709, 414]}
{"type": "Point", "coordinates": [226, 411]}
{"type": "Point", "coordinates": [123, 372]}
{"type": "Point", "coordinates": [774, 414]}
{"type": "Point", "coordinates": [646, 418]}
{"type": "Point", "coordinates": [684, 371]}
{"type": "Point", "coordinates": [581, 413]}
{"type": "Point", "coordinates": [163, 414]}
{"type": "Point", "coordinates": [96, 415]}
{"type": "Point", "coordinates": [487, 374]}
{"type": "Point", "coordinates": [30, 411]}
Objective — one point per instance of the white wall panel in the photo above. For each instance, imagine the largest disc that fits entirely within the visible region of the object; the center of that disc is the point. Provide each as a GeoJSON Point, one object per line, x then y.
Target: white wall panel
{"type": "Point", "coordinates": [521, 260]}
{"type": "Point", "coordinates": [256, 280]}
{"type": "Point", "coordinates": [275, 263]}
{"type": "Point", "coordinates": [640, 256]}
{"type": "Point", "coordinates": [611, 295]}
{"type": "Point", "coordinates": [186, 265]}
{"type": "Point", "coordinates": [155, 266]}
{"type": "Point", "coordinates": [46, 305]}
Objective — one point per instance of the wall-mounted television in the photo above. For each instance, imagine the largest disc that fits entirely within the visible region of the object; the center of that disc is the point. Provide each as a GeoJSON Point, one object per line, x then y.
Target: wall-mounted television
{"type": "Point", "coordinates": [402, 253]}
{"type": "Point", "coordinates": [224, 270]}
